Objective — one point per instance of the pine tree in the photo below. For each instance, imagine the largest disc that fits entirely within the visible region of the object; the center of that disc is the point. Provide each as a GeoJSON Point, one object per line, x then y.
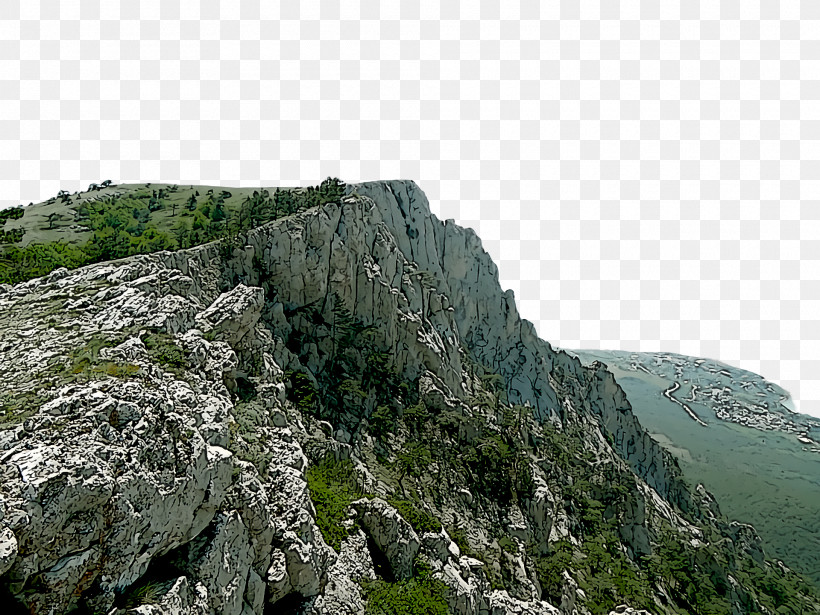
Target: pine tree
{"type": "Point", "coordinates": [284, 201]}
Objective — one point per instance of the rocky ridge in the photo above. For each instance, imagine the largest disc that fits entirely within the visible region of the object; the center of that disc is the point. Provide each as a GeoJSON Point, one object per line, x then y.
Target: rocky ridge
{"type": "Point", "coordinates": [157, 452]}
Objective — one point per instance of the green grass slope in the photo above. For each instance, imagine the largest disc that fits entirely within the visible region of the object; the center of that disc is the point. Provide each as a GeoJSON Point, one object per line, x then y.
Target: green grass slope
{"type": "Point", "coordinates": [762, 472]}
{"type": "Point", "coordinates": [113, 221]}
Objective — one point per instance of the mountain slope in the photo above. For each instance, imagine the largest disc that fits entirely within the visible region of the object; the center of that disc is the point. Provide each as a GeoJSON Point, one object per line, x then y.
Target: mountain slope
{"type": "Point", "coordinates": [112, 221]}
{"type": "Point", "coordinates": [759, 457]}
{"type": "Point", "coordinates": [339, 411]}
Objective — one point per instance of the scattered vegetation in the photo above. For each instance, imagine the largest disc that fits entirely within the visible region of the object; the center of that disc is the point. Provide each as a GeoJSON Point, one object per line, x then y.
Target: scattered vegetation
{"type": "Point", "coordinates": [428, 453]}
{"type": "Point", "coordinates": [333, 486]}
{"type": "Point", "coordinates": [356, 379]}
{"type": "Point", "coordinates": [459, 536]}
{"type": "Point", "coordinates": [12, 213]}
{"type": "Point", "coordinates": [85, 363]}
{"type": "Point", "coordinates": [493, 450]}
{"type": "Point", "coordinates": [148, 221]}
{"type": "Point", "coordinates": [17, 406]}
{"type": "Point", "coordinates": [150, 592]}
{"type": "Point", "coordinates": [164, 351]}
{"type": "Point", "coordinates": [421, 595]}
{"type": "Point", "coordinates": [508, 545]}
{"type": "Point", "coordinates": [252, 446]}
{"type": "Point", "coordinates": [415, 515]}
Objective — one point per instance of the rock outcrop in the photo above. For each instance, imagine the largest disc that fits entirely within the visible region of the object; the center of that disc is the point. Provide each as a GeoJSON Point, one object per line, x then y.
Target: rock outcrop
{"type": "Point", "coordinates": [165, 416]}
{"type": "Point", "coordinates": [392, 535]}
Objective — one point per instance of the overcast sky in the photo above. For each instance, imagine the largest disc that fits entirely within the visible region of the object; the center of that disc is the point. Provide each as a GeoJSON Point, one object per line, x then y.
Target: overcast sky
{"type": "Point", "coordinates": [645, 174]}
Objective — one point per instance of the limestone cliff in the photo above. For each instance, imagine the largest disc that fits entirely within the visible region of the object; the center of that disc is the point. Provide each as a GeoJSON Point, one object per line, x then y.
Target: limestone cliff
{"type": "Point", "coordinates": [322, 413]}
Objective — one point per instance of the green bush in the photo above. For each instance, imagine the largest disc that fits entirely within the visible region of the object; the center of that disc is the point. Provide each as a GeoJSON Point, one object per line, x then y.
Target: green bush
{"type": "Point", "coordinates": [302, 392]}
{"type": "Point", "coordinates": [151, 592]}
{"type": "Point", "coordinates": [333, 486]}
{"type": "Point", "coordinates": [420, 519]}
{"type": "Point", "coordinates": [415, 417]}
{"type": "Point", "coordinates": [459, 536]}
{"type": "Point", "coordinates": [550, 569]}
{"type": "Point", "coordinates": [12, 236]}
{"type": "Point", "coordinates": [382, 422]}
{"type": "Point", "coordinates": [421, 595]}
{"type": "Point", "coordinates": [164, 351]}
{"type": "Point", "coordinates": [413, 460]}
{"type": "Point", "coordinates": [508, 545]}
{"type": "Point", "coordinates": [12, 213]}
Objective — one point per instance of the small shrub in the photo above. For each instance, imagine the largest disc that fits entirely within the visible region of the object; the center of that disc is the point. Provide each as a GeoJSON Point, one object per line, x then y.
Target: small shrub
{"type": "Point", "coordinates": [382, 422]}
{"type": "Point", "coordinates": [12, 236]}
{"type": "Point", "coordinates": [302, 392]}
{"type": "Point", "coordinates": [421, 595]}
{"type": "Point", "coordinates": [352, 388]}
{"type": "Point", "coordinates": [508, 544]}
{"type": "Point", "coordinates": [459, 537]}
{"type": "Point", "coordinates": [16, 407]}
{"type": "Point", "coordinates": [121, 370]}
{"type": "Point", "coordinates": [333, 486]}
{"type": "Point", "coordinates": [415, 417]}
{"type": "Point", "coordinates": [12, 213]}
{"type": "Point", "coordinates": [149, 593]}
{"type": "Point", "coordinates": [164, 351]}
{"type": "Point", "coordinates": [420, 519]}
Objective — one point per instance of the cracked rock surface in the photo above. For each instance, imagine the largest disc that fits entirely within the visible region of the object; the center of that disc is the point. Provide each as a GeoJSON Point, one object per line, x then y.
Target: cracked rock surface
{"type": "Point", "coordinates": [153, 459]}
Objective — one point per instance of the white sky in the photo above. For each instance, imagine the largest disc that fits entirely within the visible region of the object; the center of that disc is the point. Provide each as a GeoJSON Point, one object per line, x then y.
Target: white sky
{"type": "Point", "coordinates": [645, 174]}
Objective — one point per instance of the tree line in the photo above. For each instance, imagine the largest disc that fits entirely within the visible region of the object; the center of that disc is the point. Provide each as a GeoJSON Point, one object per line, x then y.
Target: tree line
{"type": "Point", "coordinates": [126, 225]}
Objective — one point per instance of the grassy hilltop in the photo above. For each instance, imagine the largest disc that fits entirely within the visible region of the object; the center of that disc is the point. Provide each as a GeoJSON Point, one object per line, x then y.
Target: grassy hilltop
{"type": "Point", "coordinates": [111, 221]}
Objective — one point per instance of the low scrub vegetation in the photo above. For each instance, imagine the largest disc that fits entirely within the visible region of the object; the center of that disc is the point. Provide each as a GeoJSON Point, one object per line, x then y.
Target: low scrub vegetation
{"type": "Point", "coordinates": [421, 595]}
{"type": "Point", "coordinates": [148, 221]}
{"type": "Point", "coordinates": [430, 453]}
{"type": "Point", "coordinates": [164, 351]}
{"type": "Point", "coordinates": [17, 406]}
{"type": "Point", "coordinates": [333, 486]}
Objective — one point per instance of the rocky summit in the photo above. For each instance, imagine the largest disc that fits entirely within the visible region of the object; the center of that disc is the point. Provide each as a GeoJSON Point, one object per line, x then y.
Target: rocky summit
{"type": "Point", "coordinates": [338, 411]}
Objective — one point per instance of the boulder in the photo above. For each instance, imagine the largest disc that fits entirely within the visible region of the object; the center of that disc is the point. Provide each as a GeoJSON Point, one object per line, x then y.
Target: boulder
{"type": "Point", "coordinates": [233, 314]}
{"type": "Point", "coordinates": [500, 602]}
{"type": "Point", "coordinates": [8, 549]}
{"type": "Point", "coordinates": [393, 536]}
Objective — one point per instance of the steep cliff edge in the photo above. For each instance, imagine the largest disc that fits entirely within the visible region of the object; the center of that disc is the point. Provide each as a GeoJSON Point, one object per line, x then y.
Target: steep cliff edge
{"type": "Point", "coordinates": [335, 412]}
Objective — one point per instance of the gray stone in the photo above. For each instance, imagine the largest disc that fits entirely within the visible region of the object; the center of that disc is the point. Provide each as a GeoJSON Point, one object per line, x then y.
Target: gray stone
{"type": "Point", "coordinates": [8, 549]}
{"type": "Point", "coordinates": [108, 476]}
{"type": "Point", "coordinates": [233, 314]}
{"type": "Point", "coordinates": [391, 533]}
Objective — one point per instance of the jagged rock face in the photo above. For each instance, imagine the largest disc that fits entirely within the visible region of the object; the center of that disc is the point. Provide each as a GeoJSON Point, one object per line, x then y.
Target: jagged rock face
{"type": "Point", "coordinates": [233, 314]}
{"type": "Point", "coordinates": [157, 462]}
{"type": "Point", "coordinates": [392, 535]}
